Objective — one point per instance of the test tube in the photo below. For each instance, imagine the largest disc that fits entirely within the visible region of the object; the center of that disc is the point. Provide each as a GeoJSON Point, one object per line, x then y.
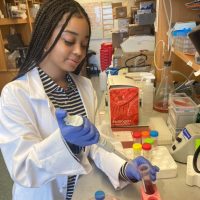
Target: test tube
{"type": "Point", "coordinates": [146, 179]}
{"type": "Point", "coordinates": [137, 150]}
{"type": "Point", "coordinates": [146, 147]}
{"type": "Point", "coordinates": [151, 142]}
{"type": "Point", "coordinates": [154, 136]}
{"type": "Point", "coordinates": [145, 135]}
{"type": "Point", "coordinates": [137, 138]}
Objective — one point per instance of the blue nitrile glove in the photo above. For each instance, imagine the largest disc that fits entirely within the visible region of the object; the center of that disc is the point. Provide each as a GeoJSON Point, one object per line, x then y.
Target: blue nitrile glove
{"type": "Point", "coordinates": [133, 173]}
{"type": "Point", "coordinates": [83, 135]}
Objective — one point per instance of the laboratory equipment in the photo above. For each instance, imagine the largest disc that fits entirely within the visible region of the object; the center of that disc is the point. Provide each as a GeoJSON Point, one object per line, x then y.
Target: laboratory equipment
{"type": "Point", "coordinates": [138, 43]}
{"type": "Point", "coordinates": [137, 137]}
{"type": "Point", "coordinates": [146, 149]}
{"type": "Point", "coordinates": [196, 159]}
{"type": "Point", "coordinates": [75, 120]}
{"type": "Point", "coordinates": [155, 196]}
{"type": "Point", "coordinates": [165, 88]}
{"type": "Point", "coordinates": [192, 177]}
{"type": "Point", "coordinates": [182, 111]}
{"type": "Point", "coordinates": [145, 135]}
{"type": "Point", "coordinates": [158, 124]}
{"type": "Point", "coordinates": [154, 136]}
{"type": "Point", "coordinates": [150, 141]}
{"type": "Point", "coordinates": [137, 150]}
{"type": "Point", "coordinates": [148, 89]}
{"type": "Point", "coordinates": [146, 179]}
{"type": "Point", "coordinates": [184, 145]}
{"type": "Point", "coordinates": [162, 159]}
{"type": "Point", "coordinates": [103, 81]}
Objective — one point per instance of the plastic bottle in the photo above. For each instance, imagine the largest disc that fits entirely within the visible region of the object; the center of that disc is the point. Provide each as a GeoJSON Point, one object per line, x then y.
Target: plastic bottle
{"type": "Point", "coordinates": [165, 88]}
{"type": "Point", "coordinates": [137, 138]}
{"type": "Point", "coordinates": [150, 141]}
{"type": "Point", "coordinates": [146, 147]}
{"type": "Point", "coordinates": [145, 135]}
{"type": "Point", "coordinates": [137, 150]}
{"type": "Point", "coordinates": [154, 136]}
{"type": "Point", "coordinates": [103, 81]}
{"type": "Point", "coordinates": [148, 90]}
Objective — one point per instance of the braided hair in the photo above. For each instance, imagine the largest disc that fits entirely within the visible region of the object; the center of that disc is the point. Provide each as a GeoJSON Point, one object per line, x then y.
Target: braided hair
{"type": "Point", "coordinates": [47, 19]}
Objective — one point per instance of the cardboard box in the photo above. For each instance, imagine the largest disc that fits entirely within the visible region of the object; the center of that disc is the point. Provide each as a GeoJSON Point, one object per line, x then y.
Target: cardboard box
{"type": "Point", "coordinates": [123, 102]}
{"type": "Point", "coordinates": [146, 5]}
{"type": "Point", "coordinates": [118, 23]}
{"type": "Point", "coordinates": [120, 12]}
{"type": "Point", "coordinates": [139, 30]}
{"type": "Point", "coordinates": [116, 4]}
{"type": "Point", "coordinates": [117, 38]}
{"type": "Point", "coordinates": [146, 19]}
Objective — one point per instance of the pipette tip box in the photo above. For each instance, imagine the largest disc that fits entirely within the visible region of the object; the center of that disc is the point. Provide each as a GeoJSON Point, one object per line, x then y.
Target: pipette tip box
{"type": "Point", "coordinates": [155, 196]}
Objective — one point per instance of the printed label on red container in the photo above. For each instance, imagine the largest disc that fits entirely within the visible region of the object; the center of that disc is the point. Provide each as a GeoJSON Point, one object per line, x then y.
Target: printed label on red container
{"type": "Point", "coordinates": [124, 107]}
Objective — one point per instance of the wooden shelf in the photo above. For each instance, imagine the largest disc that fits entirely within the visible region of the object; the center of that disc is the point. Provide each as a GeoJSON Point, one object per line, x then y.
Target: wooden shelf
{"type": "Point", "coordinates": [190, 60]}
{"type": "Point", "coordinates": [9, 70]}
{"type": "Point", "coordinates": [8, 21]}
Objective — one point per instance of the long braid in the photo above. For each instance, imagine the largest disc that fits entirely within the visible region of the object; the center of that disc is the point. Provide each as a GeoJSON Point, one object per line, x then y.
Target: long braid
{"type": "Point", "coordinates": [48, 17]}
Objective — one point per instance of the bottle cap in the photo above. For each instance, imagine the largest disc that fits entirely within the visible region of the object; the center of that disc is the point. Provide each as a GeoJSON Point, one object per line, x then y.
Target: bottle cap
{"type": "Point", "coordinates": [154, 133]}
{"type": "Point", "coordinates": [99, 195]}
{"type": "Point", "coordinates": [137, 135]}
{"type": "Point", "coordinates": [149, 140]}
{"type": "Point", "coordinates": [146, 146]}
{"type": "Point", "coordinates": [137, 147]}
{"type": "Point", "coordinates": [145, 134]}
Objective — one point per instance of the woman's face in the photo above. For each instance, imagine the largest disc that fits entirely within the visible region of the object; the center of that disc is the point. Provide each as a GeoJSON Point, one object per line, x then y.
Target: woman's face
{"type": "Point", "coordinates": [70, 49]}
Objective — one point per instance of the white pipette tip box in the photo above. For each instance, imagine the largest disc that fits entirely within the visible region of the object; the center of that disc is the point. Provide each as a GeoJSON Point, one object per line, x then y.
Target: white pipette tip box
{"type": "Point", "coordinates": [192, 178]}
{"type": "Point", "coordinates": [161, 158]}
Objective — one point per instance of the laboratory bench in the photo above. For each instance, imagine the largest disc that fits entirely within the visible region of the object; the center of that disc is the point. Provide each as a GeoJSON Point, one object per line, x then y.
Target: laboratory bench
{"type": "Point", "coordinates": [169, 188]}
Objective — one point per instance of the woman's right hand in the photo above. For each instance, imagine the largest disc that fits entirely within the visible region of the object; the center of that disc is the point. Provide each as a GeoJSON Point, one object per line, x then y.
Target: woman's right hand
{"type": "Point", "coordinates": [83, 135]}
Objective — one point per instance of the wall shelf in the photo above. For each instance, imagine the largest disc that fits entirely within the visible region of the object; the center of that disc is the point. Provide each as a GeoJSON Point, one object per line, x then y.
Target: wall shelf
{"type": "Point", "coordinates": [190, 60]}
{"type": "Point", "coordinates": [8, 21]}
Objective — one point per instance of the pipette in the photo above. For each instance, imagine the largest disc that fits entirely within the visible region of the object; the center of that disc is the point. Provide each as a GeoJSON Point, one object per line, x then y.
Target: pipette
{"type": "Point", "coordinates": [102, 142]}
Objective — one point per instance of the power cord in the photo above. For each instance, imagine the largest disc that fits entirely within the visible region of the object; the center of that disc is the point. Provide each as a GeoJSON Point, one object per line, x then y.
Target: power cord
{"type": "Point", "coordinates": [195, 160]}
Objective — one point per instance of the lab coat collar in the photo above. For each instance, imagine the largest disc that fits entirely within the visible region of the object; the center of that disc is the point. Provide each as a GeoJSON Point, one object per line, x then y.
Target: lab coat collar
{"type": "Point", "coordinates": [36, 88]}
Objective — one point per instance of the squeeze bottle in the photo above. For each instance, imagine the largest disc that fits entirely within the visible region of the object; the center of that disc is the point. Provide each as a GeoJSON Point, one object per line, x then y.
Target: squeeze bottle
{"type": "Point", "coordinates": [147, 99]}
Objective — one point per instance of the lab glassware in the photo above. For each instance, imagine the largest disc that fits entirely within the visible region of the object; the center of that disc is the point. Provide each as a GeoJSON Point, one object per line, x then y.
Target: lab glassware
{"type": "Point", "coordinates": [146, 147]}
{"type": "Point", "coordinates": [165, 88]}
{"type": "Point", "coordinates": [146, 179]}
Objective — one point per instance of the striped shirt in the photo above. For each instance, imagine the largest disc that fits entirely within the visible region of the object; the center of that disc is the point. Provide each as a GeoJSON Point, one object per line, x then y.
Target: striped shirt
{"type": "Point", "coordinates": [70, 101]}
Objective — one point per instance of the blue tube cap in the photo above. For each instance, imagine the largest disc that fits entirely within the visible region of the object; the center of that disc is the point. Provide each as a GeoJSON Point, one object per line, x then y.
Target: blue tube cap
{"type": "Point", "coordinates": [99, 195]}
{"type": "Point", "coordinates": [154, 134]}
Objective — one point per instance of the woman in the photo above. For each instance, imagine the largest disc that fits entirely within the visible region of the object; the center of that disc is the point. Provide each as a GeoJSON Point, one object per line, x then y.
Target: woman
{"type": "Point", "coordinates": [44, 156]}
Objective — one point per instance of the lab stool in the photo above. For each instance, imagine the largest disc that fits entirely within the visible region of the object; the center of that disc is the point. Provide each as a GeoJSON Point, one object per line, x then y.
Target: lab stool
{"type": "Point", "coordinates": [90, 65]}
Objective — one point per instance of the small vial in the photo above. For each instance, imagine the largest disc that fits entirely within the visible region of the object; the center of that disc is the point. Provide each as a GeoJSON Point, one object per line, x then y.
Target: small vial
{"type": "Point", "coordinates": [146, 179]}
{"type": "Point", "coordinates": [145, 135]}
{"type": "Point", "coordinates": [151, 142]}
{"type": "Point", "coordinates": [137, 150]}
{"type": "Point", "coordinates": [137, 138]}
{"type": "Point", "coordinates": [154, 136]}
{"type": "Point", "coordinates": [146, 147]}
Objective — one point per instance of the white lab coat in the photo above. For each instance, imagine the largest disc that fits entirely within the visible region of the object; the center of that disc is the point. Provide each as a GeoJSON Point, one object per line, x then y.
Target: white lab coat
{"type": "Point", "coordinates": [31, 143]}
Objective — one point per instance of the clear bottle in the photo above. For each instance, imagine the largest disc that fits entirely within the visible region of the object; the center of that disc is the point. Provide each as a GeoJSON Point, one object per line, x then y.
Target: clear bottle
{"type": "Point", "coordinates": [137, 138]}
{"type": "Point", "coordinates": [151, 142]}
{"type": "Point", "coordinates": [165, 88]}
{"type": "Point", "coordinates": [145, 135]}
{"type": "Point", "coordinates": [137, 150]}
{"type": "Point", "coordinates": [154, 136]}
{"type": "Point", "coordinates": [146, 147]}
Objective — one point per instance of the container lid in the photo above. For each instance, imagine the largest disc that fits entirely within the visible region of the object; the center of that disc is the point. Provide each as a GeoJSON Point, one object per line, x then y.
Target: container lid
{"type": "Point", "coordinates": [137, 135]}
{"type": "Point", "coordinates": [145, 134]}
{"type": "Point", "coordinates": [146, 146]}
{"type": "Point", "coordinates": [149, 140]}
{"type": "Point", "coordinates": [183, 104]}
{"type": "Point", "coordinates": [99, 195]}
{"type": "Point", "coordinates": [154, 133]}
{"type": "Point", "coordinates": [137, 147]}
